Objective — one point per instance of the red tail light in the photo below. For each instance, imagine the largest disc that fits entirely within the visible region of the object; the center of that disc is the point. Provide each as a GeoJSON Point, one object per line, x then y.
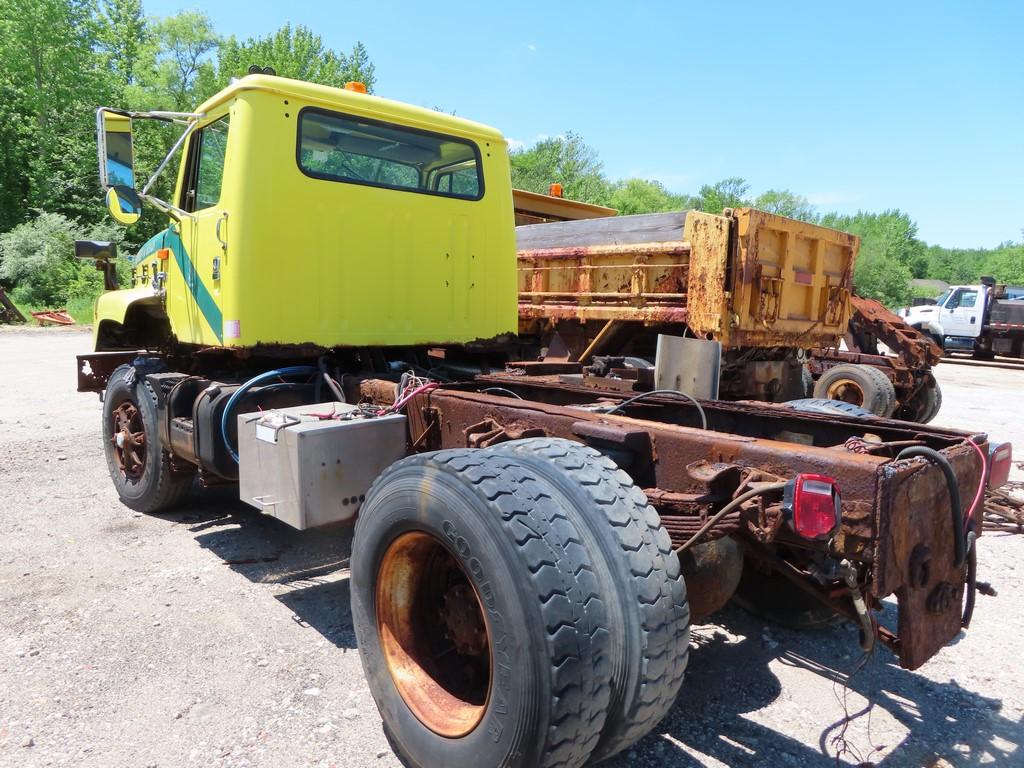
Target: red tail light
{"type": "Point", "coordinates": [1000, 459]}
{"type": "Point", "coordinates": [813, 503]}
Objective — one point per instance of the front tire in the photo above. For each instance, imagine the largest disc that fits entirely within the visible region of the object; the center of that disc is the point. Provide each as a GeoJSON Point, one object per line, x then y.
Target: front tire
{"type": "Point", "coordinates": [139, 466]}
{"type": "Point", "coordinates": [481, 626]}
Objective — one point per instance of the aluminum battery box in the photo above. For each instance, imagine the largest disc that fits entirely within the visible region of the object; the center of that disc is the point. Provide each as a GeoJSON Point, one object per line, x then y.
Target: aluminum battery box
{"type": "Point", "coordinates": [308, 470]}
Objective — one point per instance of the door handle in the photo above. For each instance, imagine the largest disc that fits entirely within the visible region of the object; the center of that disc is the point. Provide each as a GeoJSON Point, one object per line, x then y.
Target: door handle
{"type": "Point", "coordinates": [223, 245]}
{"type": "Point", "coordinates": [222, 220]}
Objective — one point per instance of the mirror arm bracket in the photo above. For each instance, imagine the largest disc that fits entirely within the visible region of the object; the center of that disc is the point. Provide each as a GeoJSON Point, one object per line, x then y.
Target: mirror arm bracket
{"type": "Point", "coordinates": [167, 158]}
{"type": "Point", "coordinates": [164, 207]}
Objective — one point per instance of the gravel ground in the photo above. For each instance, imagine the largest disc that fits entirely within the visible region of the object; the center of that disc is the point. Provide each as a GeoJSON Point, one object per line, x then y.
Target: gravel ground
{"type": "Point", "coordinates": [215, 637]}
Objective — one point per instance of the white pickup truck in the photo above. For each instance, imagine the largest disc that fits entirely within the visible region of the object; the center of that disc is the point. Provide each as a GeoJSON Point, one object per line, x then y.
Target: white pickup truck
{"type": "Point", "coordinates": [985, 319]}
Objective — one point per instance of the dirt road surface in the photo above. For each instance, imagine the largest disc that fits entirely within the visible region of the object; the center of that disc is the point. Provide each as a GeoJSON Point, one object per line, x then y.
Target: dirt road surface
{"type": "Point", "coordinates": [215, 637]}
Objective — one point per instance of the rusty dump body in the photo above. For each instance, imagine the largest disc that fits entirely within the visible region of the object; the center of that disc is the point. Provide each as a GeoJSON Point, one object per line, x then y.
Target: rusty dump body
{"type": "Point", "coordinates": [896, 526]}
{"type": "Point", "coordinates": [746, 278]}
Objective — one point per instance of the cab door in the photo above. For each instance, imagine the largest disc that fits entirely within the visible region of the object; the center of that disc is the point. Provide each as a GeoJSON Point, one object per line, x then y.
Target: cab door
{"type": "Point", "coordinates": [961, 314]}
{"type": "Point", "coordinates": [204, 237]}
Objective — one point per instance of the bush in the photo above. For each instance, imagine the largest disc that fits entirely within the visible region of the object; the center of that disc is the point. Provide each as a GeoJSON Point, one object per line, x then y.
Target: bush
{"type": "Point", "coordinates": [37, 259]}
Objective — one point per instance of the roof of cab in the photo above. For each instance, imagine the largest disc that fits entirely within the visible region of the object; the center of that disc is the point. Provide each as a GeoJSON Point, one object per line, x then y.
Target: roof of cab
{"type": "Point", "coordinates": [339, 98]}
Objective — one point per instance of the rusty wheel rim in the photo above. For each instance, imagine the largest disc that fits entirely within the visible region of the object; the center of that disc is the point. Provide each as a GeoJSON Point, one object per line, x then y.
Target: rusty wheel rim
{"type": "Point", "coordinates": [128, 438]}
{"type": "Point", "coordinates": [433, 634]}
{"type": "Point", "coordinates": [847, 391]}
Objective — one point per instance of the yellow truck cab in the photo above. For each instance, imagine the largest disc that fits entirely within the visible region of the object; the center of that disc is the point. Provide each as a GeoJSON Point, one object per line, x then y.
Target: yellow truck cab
{"type": "Point", "coordinates": [317, 216]}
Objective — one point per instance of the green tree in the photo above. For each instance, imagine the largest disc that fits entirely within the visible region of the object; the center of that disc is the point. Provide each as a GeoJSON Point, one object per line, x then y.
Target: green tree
{"type": "Point", "coordinates": [786, 203]}
{"type": "Point", "coordinates": [175, 65]}
{"type": "Point", "coordinates": [122, 34]}
{"type": "Point", "coordinates": [566, 160]}
{"type": "Point", "coordinates": [727, 193]}
{"type": "Point", "coordinates": [642, 196]}
{"type": "Point", "coordinates": [51, 79]}
{"type": "Point", "coordinates": [295, 52]}
{"type": "Point", "coordinates": [892, 234]}
{"type": "Point", "coordinates": [1005, 263]}
{"type": "Point", "coordinates": [890, 253]}
{"type": "Point", "coordinates": [879, 278]}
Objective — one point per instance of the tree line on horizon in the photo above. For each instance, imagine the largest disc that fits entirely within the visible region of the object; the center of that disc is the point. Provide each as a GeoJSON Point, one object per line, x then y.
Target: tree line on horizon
{"type": "Point", "coordinates": [61, 59]}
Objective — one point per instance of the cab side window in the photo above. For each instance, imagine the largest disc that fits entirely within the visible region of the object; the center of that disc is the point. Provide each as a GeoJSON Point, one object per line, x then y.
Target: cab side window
{"type": "Point", "coordinates": [963, 298]}
{"type": "Point", "coordinates": [206, 168]}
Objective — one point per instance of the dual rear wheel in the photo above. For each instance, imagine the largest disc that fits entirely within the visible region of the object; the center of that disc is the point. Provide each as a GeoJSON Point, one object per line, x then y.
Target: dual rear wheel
{"type": "Point", "coordinates": [516, 606]}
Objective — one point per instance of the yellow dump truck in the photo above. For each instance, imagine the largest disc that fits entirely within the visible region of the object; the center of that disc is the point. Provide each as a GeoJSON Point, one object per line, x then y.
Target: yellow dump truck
{"type": "Point", "coordinates": [774, 292]}
{"type": "Point", "coordinates": [328, 322]}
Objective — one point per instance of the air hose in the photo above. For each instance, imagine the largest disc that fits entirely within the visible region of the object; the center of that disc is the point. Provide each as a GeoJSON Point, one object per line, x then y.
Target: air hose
{"type": "Point", "coordinates": [959, 545]}
{"type": "Point", "coordinates": [972, 579]}
{"type": "Point", "coordinates": [673, 392]}
{"type": "Point", "coordinates": [295, 370]}
{"type": "Point", "coordinates": [732, 506]}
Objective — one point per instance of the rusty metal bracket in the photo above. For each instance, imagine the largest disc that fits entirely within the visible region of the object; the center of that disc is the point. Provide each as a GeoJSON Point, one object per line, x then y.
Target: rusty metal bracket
{"type": "Point", "coordinates": [489, 432]}
{"type": "Point", "coordinates": [824, 595]}
{"type": "Point", "coordinates": [94, 369]}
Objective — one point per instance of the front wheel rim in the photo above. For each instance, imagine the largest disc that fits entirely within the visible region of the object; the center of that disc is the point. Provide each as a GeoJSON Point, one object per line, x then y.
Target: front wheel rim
{"type": "Point", "coordinates": [128, 440]}
{"type": "Point", "coordinates": [434, 635]}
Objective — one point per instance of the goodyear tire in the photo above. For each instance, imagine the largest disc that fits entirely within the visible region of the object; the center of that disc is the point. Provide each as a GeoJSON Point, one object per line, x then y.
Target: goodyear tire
{"type": "Point", "coordinates": [858, 385]}
{"type": "Point", "coordinates": [481, 627]}
{"type": "Point", "coordinates": [638, 571]}
{"type": "Point", "coordinates": [139, 466]}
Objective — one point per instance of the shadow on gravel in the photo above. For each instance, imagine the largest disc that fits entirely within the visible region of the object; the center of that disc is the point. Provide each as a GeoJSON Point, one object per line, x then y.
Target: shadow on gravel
{"type": "Point", "coordinates": [312, 565]}
{"type": "Point", "coordinates": [728, 677]}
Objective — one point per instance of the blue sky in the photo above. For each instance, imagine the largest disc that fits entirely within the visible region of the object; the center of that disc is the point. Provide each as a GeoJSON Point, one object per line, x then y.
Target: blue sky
{"type": "Point", "coordinates": [914, 105]}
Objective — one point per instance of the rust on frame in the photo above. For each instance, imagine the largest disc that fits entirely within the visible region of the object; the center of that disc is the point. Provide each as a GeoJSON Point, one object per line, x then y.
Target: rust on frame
{"type": "Point", "coordinates": [895, 516]}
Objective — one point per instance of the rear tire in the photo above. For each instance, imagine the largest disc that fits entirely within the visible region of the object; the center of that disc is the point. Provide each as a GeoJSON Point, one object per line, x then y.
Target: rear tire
{"type": "Point", "coordinates": [547, 632]}
{"type": "Point", "coordinates": [646, 592]}
{"type": "Point", "coordinates": [932, 403]}
{"type": "Point", "coordinates": [139, 466]}
{"type": "Point", "coordinates": [925, 404]}
{"type": "Point", "coordinates": [886, 385]}
{"type": "Point", "coordinates": [858, 385]}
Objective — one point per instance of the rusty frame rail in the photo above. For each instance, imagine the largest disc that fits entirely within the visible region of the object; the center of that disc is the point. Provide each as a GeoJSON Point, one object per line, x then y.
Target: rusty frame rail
{"type": "Point", "coordinates": [94, 369]}
{"type": "Point", "coordinates": [892, 519]}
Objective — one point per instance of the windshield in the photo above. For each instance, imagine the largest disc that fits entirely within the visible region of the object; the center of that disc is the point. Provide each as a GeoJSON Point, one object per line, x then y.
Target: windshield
{"type": "Point", "coordinates": [943, 296]}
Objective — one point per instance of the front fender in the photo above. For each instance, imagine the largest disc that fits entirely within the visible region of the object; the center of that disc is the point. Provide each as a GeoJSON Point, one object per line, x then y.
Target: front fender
{"type": "Point", "coordinates": [113, 306]}
{"type": "Point", "coordinates": [929, 326]}
{"type": "Point", "coordinates": [926, 320]}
